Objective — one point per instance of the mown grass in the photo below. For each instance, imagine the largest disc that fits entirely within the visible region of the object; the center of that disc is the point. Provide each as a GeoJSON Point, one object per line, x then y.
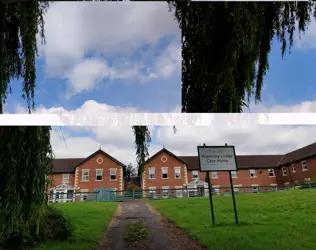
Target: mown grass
{"type": "Point", "coordinates": [89, 220]}
{"type": "Point", "coordinates": [279, 220]}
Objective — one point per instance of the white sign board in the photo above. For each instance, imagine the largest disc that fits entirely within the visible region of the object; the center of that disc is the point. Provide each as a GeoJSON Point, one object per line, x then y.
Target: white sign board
{"type": "Point", "coordinates": [217, 158]}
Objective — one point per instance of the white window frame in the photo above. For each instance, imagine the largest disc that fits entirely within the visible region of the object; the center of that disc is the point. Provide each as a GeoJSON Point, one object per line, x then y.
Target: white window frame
{"type": "Point", "coordinates": [152, 190]}
{"type": "Point", "coordinates": [179, 192]}
{"type": "Point", "coordinates": [175, 172]}
{"type": "Point", "coordinates": [293, 168]}
{"type": "Point", "coordinates": [195, 173]}
{"type": "Point", "coordinates": [152, 173]}
{"type": "Point", "coordinates": [111, 174]}
{"type": "Point", "coordinates": [214, 175]}
{"type": "Point", "coordinates": [85, 175]}
{"type": "Point", "coordinates": [164, 172]}
{"type": "Point", "coordinates": [234, 174]}
{"type": "Point", "coordinates": [65, 180]}
{"type": "Point", "coordinates": [84, 196]}
{"type": "Point", "coordinates": [252, 173]}
{"type": "Point", "coordinates": [165, 192]}
{"type": "Point", "coordinates": [304, 166]}
{"type": "Point", "coordinates": [98, 174]}
{"type": "Point", "coordinates": [271, 170]}
{"type": "Point", "coordinates": [284, 171]}
{"type": "Point", "coordinates": [255, 188]}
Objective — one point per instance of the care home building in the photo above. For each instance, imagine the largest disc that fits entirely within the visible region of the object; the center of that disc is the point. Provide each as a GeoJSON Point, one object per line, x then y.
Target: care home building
{"type": "Point", "coordinates": [165, 171]}
{"type": "Point", "coordinates": [84, 175]}
{"type": "Point", "coordinates": [179, 176]}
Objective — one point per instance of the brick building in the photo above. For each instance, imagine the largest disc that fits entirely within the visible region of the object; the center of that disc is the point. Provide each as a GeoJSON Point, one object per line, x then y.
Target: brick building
{"type": "Point", "coordinates": [166, 171]}
{"type": "Point", "coordinates": [84, 175]}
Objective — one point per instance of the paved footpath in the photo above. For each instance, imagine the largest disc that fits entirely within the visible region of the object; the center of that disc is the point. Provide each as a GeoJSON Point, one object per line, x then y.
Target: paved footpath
{"type": "Point", "coordinates": [163, 234]}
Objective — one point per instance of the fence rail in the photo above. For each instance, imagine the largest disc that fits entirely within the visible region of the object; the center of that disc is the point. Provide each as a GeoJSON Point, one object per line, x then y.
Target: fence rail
{"type": "Point", "coordinates": [141, 194]}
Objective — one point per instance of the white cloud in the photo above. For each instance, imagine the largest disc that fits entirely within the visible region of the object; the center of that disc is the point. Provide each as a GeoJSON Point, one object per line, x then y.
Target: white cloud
{"type": "Point", "coordinates": [119, 141]}
{"type": "Point", "coordinates": [107, 30]}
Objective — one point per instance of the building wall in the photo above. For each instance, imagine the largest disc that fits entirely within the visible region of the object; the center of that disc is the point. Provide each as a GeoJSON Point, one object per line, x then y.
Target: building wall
{"type": "Point", "coordinates": [243, 178]}
{"type": "Point", "coordinates": [164, 160]}
{"type": "Point", "coordinates": [296, 176]}
{"type": "Point", "coordinates": [106, 165]}
{"type": "Point", "coordinates": [56, 179]}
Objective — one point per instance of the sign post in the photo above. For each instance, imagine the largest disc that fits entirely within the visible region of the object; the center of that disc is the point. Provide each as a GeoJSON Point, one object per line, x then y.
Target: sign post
{"type": "Point", "coordinates": [218, 158]}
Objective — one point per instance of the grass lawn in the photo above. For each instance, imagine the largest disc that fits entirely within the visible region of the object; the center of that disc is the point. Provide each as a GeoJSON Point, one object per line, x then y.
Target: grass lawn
{"type": "Point", "coordinates": [278, 220]}
{"type": "Point", "coordinates": [89, 219]}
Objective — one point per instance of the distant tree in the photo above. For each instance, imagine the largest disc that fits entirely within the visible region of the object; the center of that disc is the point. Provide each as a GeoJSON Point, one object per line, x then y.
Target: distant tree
{"type": "Point", "coordinates": [131, 171]}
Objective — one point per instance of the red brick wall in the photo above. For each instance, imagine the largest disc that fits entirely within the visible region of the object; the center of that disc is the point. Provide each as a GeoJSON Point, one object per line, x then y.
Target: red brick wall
{"type": "Point", "coordinates": [170, 163]}
{"type": "Point", "coordinates": [57, 179]}
{"type": "Point", "coordinates": [299, 175]}
{"type": "Point", "coordinates": [243, 178]}
{"type": "Point", "coordinates": [92, 165]}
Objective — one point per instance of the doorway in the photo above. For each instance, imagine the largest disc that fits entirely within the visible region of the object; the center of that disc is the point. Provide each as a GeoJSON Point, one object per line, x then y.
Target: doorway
{"type": "Point", "coordinates": [200, 191]}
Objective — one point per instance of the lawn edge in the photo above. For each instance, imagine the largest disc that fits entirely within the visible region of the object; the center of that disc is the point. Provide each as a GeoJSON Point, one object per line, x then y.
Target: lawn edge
{"type": "Point", "coordinates": [173, 224]}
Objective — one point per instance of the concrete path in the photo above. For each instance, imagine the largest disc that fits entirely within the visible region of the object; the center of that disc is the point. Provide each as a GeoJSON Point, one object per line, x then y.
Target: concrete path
{"type": "Point", "coordinates": [163, 234]}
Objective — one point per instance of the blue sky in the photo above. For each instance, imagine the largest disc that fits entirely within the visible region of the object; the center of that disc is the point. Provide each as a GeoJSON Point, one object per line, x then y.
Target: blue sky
{"type": "Point", "coordinates": [125, 57]}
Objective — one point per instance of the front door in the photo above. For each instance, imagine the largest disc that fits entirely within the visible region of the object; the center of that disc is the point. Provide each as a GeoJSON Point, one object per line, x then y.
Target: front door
{"type": "Point", "coordinates": [200, 191]}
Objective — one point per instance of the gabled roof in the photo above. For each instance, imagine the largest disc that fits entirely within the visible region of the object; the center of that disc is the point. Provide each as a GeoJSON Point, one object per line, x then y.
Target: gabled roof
{"type": "Point", "coordinates": [299, 154]}
{"type": "Point", "coordinates": [243, 161]}
{"type": "Point", "coordinates": [100, 151]}
{"type": "Point", "coordinates": [163, 150]}
{"type": "Point", "coordinates": [68, 165]}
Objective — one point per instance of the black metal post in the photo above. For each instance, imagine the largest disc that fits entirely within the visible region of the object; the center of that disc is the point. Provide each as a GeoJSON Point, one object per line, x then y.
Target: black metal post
{"type": "Point", "coordinates": [211, 199]}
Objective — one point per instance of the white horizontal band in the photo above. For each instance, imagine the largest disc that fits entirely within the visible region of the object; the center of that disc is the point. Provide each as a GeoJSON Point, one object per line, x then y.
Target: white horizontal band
{"type": "Point", "coordinates": [159, 119]}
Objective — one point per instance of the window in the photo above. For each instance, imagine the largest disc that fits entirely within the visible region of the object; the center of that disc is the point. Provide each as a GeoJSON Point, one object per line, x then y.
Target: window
{"type": "Point", "coordinates": [177, 172]}
{"type": "Point", "coordinates": [255, 189]}
{"type": "Point", "coordinates": [84, 194]}
{"type": "Point", "coordinates": [99, 174]}
{"type": "Point", "coordinates": [284, 172]}
{"type": "Point", "coordinates": [179, 192]}
{"type": "Point", "coordinates": [113, 174]}
{"type": "Point", "coordinates": [252, 173]}
{"type": "Point", "coordinates": [195, 174]}
{"type": "Point", "coordinates": [165, 192]}
{"type": "Point", "coordinates": [271, 172]}
{"type": "Point", "coordinates": [293, 168]}
{"type": "Point", "coordinates": [234, 174]}
{"type": "Point", "coordinates": [216, 191]}
{"type": "Point", "coordinates": [85, 175]}
{"type": "Point", "coordinates": [152, 192]}
{"type": "Point", "coordinates": [65, 178]}
{"type": "Point", "coordinates": [304, 166]}
{"type": "Point", "coordinates": [214, 175]}
{"type": "Point", "coordinates": [164, 173]}
{"type": "Point", "coordinates": [152, 173]}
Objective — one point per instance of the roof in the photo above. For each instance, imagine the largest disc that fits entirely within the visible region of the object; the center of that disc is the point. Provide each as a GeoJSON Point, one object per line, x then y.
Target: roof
{"type": "Point", "coordinates": [169, 153]}
{"type": "Point", "coordinates": [68, 165]}
{"type": "Point", "coordinates": [243, 161]}
{"type": "Point", "coordinates": [65, 165]}
{"type": "Point", "coordinates": [299, 154]}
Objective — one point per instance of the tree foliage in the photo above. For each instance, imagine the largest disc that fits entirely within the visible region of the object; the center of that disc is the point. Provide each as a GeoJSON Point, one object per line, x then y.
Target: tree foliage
{"type": "Point", "coordinates": [225, 49]}
{"type": "Point", "coordinates": [20, 22]}
{"type": "Point", "coordinates": [25, 161]}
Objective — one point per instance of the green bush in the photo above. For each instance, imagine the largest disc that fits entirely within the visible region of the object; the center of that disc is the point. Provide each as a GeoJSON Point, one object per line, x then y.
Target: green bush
{"type": "Point", "coordinates": [53, 226]}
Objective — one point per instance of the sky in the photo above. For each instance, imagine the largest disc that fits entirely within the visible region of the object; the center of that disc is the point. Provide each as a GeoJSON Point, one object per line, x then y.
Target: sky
{"type": "Point", "coordinates": [126, 57]}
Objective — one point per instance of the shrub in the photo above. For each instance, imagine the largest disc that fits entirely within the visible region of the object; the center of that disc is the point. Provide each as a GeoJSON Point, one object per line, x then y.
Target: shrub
{"type": "Point", "coordinates": [53, 226]}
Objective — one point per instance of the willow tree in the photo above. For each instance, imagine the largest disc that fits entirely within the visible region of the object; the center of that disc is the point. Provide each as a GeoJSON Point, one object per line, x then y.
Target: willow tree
{"type": "Point", "coordinates": [25, 155]}
{"type": "Point", "coordinates": [226, 46]}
